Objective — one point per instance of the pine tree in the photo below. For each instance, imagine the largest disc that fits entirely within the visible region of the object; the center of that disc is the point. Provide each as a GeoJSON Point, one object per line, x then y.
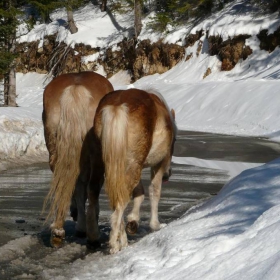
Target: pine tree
{"type": "Point", "coordinates": [71, 5]}
{"type": "Point", "coordinates": [45, 7]}
{"type": "Point", "coordinates": [9, 22]}
{"type": "Point", "coordinates": [137, 17]}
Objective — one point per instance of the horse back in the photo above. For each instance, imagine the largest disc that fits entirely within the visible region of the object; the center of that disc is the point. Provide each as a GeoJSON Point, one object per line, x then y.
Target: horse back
{"type": "Point", "coordinates": [94, 83]}
{"type": "Point", "coordinates": [149, 124]}
{"type": "Point", "coordinates": [163, 132]}
{"type": "Point", "coordinates": [140, 108]}
{"type": "Point", "coordinates": [90, 84]}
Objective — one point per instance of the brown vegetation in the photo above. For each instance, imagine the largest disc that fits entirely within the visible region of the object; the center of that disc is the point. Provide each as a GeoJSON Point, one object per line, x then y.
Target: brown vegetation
{"type": "Point", "coordinates": [139, 58]}
{"type": "Point", "coordinates": [269, 42]}
{"type": "Point", "coordinates": [229, 51]}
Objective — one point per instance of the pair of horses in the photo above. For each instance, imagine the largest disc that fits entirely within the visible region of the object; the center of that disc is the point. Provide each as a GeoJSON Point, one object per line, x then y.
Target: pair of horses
{"type": "Point", "coordinates": [94, 133]}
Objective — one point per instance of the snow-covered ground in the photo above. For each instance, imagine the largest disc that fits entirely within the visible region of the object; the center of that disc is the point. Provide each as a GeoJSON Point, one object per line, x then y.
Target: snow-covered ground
{"type": "Point", "coordinates": [235, 234]}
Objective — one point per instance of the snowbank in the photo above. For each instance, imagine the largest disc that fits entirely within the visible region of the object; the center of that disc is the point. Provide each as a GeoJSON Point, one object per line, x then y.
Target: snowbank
{"type": "Point", "coordinates": [232, 236]}
{"type": "Point", "coordinates": [21, 129]}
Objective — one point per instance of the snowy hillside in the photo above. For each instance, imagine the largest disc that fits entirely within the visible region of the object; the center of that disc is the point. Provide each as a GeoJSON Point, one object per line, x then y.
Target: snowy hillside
{"type": "Point", "coordinates": [233, 236]}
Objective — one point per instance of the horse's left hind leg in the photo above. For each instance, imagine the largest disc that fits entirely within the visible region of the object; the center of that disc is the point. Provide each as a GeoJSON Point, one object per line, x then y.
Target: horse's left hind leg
{"type": "Point", "coordinates": [80, 197]}
{"type": "Point", "coordinates": [134, 216]}
{"type": "Point", "coordinates": [93, 234]}
{"type": "Point", "coordinates": [154, 195]}
{"type": "Point", "coordinates": [57, 233]}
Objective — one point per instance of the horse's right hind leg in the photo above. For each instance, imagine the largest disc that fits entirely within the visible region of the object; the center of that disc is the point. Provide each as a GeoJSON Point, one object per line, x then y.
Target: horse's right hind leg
{"type": "Point", "coordinates": [118, 237]}
{"type": "Point", "coordinates": [134, 216]}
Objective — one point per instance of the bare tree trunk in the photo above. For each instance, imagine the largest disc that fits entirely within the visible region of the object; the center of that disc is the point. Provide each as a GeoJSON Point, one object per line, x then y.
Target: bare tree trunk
{"type": "Point", "coordinates": [103, 7]}
{"type": "Point", "coordinates": [6, 89]}
{"type": "Point", "coordinates": [12, 88]}
{"type": "Point", "coordinates": [72, 26]}
{"type": "Point", "coordinates": [137, 17]}
{"type": "Point", "coordinates": [10, 78]}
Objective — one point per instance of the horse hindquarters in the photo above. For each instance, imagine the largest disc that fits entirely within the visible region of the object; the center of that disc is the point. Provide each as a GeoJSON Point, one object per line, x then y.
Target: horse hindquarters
{"type": "Point", "coordinates": [71, 130]}
{"type": "Point", "coordinates": [111, 128]}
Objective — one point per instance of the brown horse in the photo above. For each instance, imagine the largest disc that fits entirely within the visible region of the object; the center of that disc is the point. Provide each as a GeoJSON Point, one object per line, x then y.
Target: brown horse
{"type": "Point", "coordinates": [69, 105]}
{"type": "Point", "coordinates": [133, 129]}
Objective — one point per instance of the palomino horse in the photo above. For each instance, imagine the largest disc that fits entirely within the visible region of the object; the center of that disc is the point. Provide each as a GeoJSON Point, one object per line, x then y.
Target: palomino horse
{"type": "Point", "coordinates": [69, 105]}
{"type": "Point", "coordinates": [134, 129]}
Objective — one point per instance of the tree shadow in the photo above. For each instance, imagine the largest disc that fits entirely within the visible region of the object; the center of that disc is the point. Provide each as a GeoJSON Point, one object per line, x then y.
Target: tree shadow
{"type": "Point", "coordinates": [62, 22]}
{"type": "Point", "coordinates": [114, 21]}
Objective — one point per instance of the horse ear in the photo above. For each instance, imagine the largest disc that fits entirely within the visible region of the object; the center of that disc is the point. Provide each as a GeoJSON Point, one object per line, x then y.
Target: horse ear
{"type": "Point", "coordinates": [173, 113]}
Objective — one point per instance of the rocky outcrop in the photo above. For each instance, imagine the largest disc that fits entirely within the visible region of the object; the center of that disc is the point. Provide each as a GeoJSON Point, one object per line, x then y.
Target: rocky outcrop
{"type": "Point", "coordinates": [120, 58]}
{"type": "Point", "coordinates": [192, 38]}
{"type": "Point", "coordinates": [141, 59]}
{"type": "Point", "coordinates": [229, 51]}
{"type": "Point", "coordinates": [53, 56]}
{"type": "Point", "coordinates": [269, 42]}
{"type": "Point", "coordinates": [156, 58]}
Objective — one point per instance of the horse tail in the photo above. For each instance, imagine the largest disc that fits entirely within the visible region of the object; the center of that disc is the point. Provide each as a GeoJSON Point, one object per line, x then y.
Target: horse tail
{"type": "Point", "coordinates": [74, 123]}
{"type": "Point", "coordinates": [114, 140]}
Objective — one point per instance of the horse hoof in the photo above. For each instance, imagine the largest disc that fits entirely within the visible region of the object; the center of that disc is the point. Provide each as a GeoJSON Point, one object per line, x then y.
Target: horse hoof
{"type": "Point", "coordinates": [114, 251]}
{"type": "Point", "coordinates": [80, 234]}
{"type": "Point", "coordinates": [57, 237]}
{"type": "Point", "coordinates": [131, 227]}
{"type": "Point", "coordinates": [57, 241]}
{"type": "Point", "coordinates": [93, 245]}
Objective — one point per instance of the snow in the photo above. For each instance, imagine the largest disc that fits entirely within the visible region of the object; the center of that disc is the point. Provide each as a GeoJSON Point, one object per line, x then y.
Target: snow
{"type": "Point", "coordinates": [235, 234]}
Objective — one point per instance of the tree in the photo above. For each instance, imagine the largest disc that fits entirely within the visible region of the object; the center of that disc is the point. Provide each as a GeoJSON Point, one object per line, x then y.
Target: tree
{"type": "Point", "coordinates": [45, 7]}
{"type": "Point", "coordinates": [103, 7]}
{"type": "Point", "coordinates": [137, 17]}
{"type": "Point", "coordinates": [268, 5]}
{"type": "Point", "coordinates": [71, 5]}
{"type": "Point", "coordinates": [8, 26]}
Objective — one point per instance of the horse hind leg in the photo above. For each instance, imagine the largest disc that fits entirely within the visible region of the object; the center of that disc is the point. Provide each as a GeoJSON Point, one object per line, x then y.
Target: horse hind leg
{"type": "Point", "coordinates": [157, 174]}
{"type": "Point", "coordinates": [123, 236]}
{"type": "Point", "coordinates": [57, 233]}
{"type": "Point", "coordinates": [77, 208]}
{"type": "Point", "coordinates": [118, 237]}
{"type": "Point", "coordinates": [93, 234]}
{"type": "Point", "coordinates": [134, 216]}
{"type": "Point", "coordinates": [74, 209]}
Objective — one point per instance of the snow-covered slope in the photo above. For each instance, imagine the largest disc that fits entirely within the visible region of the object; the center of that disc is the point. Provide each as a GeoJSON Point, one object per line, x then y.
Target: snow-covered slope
{"type": "Point", "coordinates": [233, 236]}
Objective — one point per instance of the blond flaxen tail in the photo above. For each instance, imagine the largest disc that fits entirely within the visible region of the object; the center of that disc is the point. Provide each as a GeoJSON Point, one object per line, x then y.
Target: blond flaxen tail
{"type": "Point", "coordinates": [114, 139]}
{"type": "Point", "coordinates": [74, 123]}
